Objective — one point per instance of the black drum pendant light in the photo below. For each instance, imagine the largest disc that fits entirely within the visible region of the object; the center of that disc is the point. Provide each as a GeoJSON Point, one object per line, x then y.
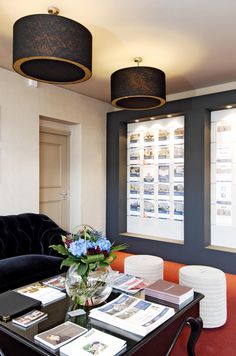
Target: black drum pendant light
{"type": "Point", "coordinates": [138, 88]}
{"type": "Point", "coordinates": [52, 49]}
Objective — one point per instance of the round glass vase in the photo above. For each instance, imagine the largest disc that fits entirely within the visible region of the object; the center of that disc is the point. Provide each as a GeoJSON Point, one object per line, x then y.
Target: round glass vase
{"type": "Point", "coordinates": [88, 291]}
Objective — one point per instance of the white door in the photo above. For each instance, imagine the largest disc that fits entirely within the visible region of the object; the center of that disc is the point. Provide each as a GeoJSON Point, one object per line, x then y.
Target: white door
{"type": "Point", "coordinates": [54, 176]}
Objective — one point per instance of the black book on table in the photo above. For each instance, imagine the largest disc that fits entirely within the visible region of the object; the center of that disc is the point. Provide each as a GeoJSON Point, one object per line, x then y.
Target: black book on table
{"type": "Point", "coordinates": [13, 304]}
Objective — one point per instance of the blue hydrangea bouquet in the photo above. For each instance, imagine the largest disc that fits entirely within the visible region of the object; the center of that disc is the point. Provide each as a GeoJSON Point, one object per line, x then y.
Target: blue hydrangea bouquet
{"type": "Point", "coordinates": [88, 248]}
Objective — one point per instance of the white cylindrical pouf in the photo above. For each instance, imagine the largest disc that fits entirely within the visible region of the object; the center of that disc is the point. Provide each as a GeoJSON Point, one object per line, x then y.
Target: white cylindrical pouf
{"type": "Point", "coordinates": [149, 268]}
{"type": "Point", "coordinates": [211, 282]}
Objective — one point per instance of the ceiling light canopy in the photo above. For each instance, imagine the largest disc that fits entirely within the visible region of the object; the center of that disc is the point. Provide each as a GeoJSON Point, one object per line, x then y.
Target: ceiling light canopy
{"type": "Point", "coordinates": [52, 49]}
{"type": "Point", "coordinates": [138, 88]}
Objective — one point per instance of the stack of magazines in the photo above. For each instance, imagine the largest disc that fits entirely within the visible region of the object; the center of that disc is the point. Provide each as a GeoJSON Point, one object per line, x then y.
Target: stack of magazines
{"type": "Point", "coordinates": [132, 314]}
{"type": "Point", "coordinates": [170, 292]}
{"type": "Point", "coordinates": [43, 293]}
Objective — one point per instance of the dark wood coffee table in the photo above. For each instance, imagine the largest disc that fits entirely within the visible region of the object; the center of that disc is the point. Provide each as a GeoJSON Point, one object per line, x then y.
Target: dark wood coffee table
{"type": "Point", "coordinates": [15, 340]}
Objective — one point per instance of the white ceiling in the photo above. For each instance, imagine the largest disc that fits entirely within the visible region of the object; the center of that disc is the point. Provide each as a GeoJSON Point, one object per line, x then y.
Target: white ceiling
{"type": "Point", "coordinates": [192, 41]}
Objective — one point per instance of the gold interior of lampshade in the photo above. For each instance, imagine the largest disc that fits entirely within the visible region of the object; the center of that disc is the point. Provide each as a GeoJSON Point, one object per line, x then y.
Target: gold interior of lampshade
{"type": "Point", "coordinates": [52, 49]}
{"type": "Point", "coordinates": [138, 88]}
{"type": "Point", "coordinates": [82, 73]}
{"type": "Point", "coordinates": [138, 102]}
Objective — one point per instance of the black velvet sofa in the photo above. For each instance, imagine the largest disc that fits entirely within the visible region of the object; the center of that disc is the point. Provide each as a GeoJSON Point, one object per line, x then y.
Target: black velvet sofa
{"type": "Point", "coordinates": [25, 255]}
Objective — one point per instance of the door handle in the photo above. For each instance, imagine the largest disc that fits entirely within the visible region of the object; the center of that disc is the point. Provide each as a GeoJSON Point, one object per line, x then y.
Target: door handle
{"type": "Point", "coordinates": [63, 196]}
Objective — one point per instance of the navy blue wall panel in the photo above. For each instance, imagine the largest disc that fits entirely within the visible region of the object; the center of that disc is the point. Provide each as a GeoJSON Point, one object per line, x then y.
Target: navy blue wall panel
{"type": "Point", "coordinates": [197, 182]}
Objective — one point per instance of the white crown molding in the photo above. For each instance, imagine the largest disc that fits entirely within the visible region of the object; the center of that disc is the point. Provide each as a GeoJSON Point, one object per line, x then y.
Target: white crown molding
{"type": "Point", "coordinates": [202, 91]}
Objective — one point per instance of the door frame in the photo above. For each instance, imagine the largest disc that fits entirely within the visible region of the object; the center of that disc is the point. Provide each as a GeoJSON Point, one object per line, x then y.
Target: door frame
{"type": "Point", "coordinates": [67, 134]}
{"type": "Point", "coordinates": [75, 128]}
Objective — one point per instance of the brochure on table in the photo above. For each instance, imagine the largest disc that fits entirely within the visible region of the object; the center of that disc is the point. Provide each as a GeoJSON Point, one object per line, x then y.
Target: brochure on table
{"type": "Point", "coordinates": [42, 292]}
{"type": "Point", "coordinates": [128, 283]}
{"type": "Point", "coordinates": [94, 342]}
{"type": "Point", "coordinates": [57, 282]}
{"type": "Point", "coordinates": [28, 319]}
{"type": "Point", "coordinates": [114, 329]}
{"type": "Point", "coordinates": [56, 337]}
{"type": "Point", "coordinates": [132, 314]}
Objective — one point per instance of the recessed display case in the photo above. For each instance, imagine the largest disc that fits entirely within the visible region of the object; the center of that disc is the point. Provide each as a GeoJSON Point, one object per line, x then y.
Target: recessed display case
{"type": "Point", "coordinates": [155, 178]}
{"type": "Point", "coordinates": [223, 178]}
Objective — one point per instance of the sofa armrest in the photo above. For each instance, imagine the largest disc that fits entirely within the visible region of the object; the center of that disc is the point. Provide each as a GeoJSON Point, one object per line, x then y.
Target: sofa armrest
{"type": "Point", "coordinates": [28, 234]}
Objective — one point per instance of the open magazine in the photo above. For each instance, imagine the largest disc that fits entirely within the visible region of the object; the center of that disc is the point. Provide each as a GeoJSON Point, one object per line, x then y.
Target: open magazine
{"type": "Point", "coordinates": [132, 314]}
{"type": "Point", "coordinates": [128, 283]}
{"type": "Point", "coordinates": [57, 282]}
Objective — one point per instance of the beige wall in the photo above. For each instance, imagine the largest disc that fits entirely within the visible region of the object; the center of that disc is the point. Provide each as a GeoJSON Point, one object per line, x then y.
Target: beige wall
{"type": "Point", "coordinates": [20, 107]}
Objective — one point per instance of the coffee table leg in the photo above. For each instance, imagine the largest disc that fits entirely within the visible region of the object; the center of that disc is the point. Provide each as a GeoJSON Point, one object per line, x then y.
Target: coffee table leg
{"type": "Point", "coordinates": [196, 327]}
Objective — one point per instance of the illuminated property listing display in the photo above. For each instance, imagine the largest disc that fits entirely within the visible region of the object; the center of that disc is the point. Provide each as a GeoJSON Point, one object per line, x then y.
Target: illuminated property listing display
{"type": "Point", "coordinates": [155, 178]}
{"type": "Point", "coordinates": [223, 178]}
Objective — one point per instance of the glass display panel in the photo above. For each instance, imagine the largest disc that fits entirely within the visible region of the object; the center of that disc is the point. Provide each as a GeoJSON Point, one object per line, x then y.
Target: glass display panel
{"type": "Point", "coordinates": [223, 178]}
{"type": "Point", "coordinates": [155, 178]}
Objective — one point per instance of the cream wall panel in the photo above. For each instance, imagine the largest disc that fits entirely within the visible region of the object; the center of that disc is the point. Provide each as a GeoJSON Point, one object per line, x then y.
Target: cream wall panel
{"type": "Point", "coordinates": [21, 106]}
